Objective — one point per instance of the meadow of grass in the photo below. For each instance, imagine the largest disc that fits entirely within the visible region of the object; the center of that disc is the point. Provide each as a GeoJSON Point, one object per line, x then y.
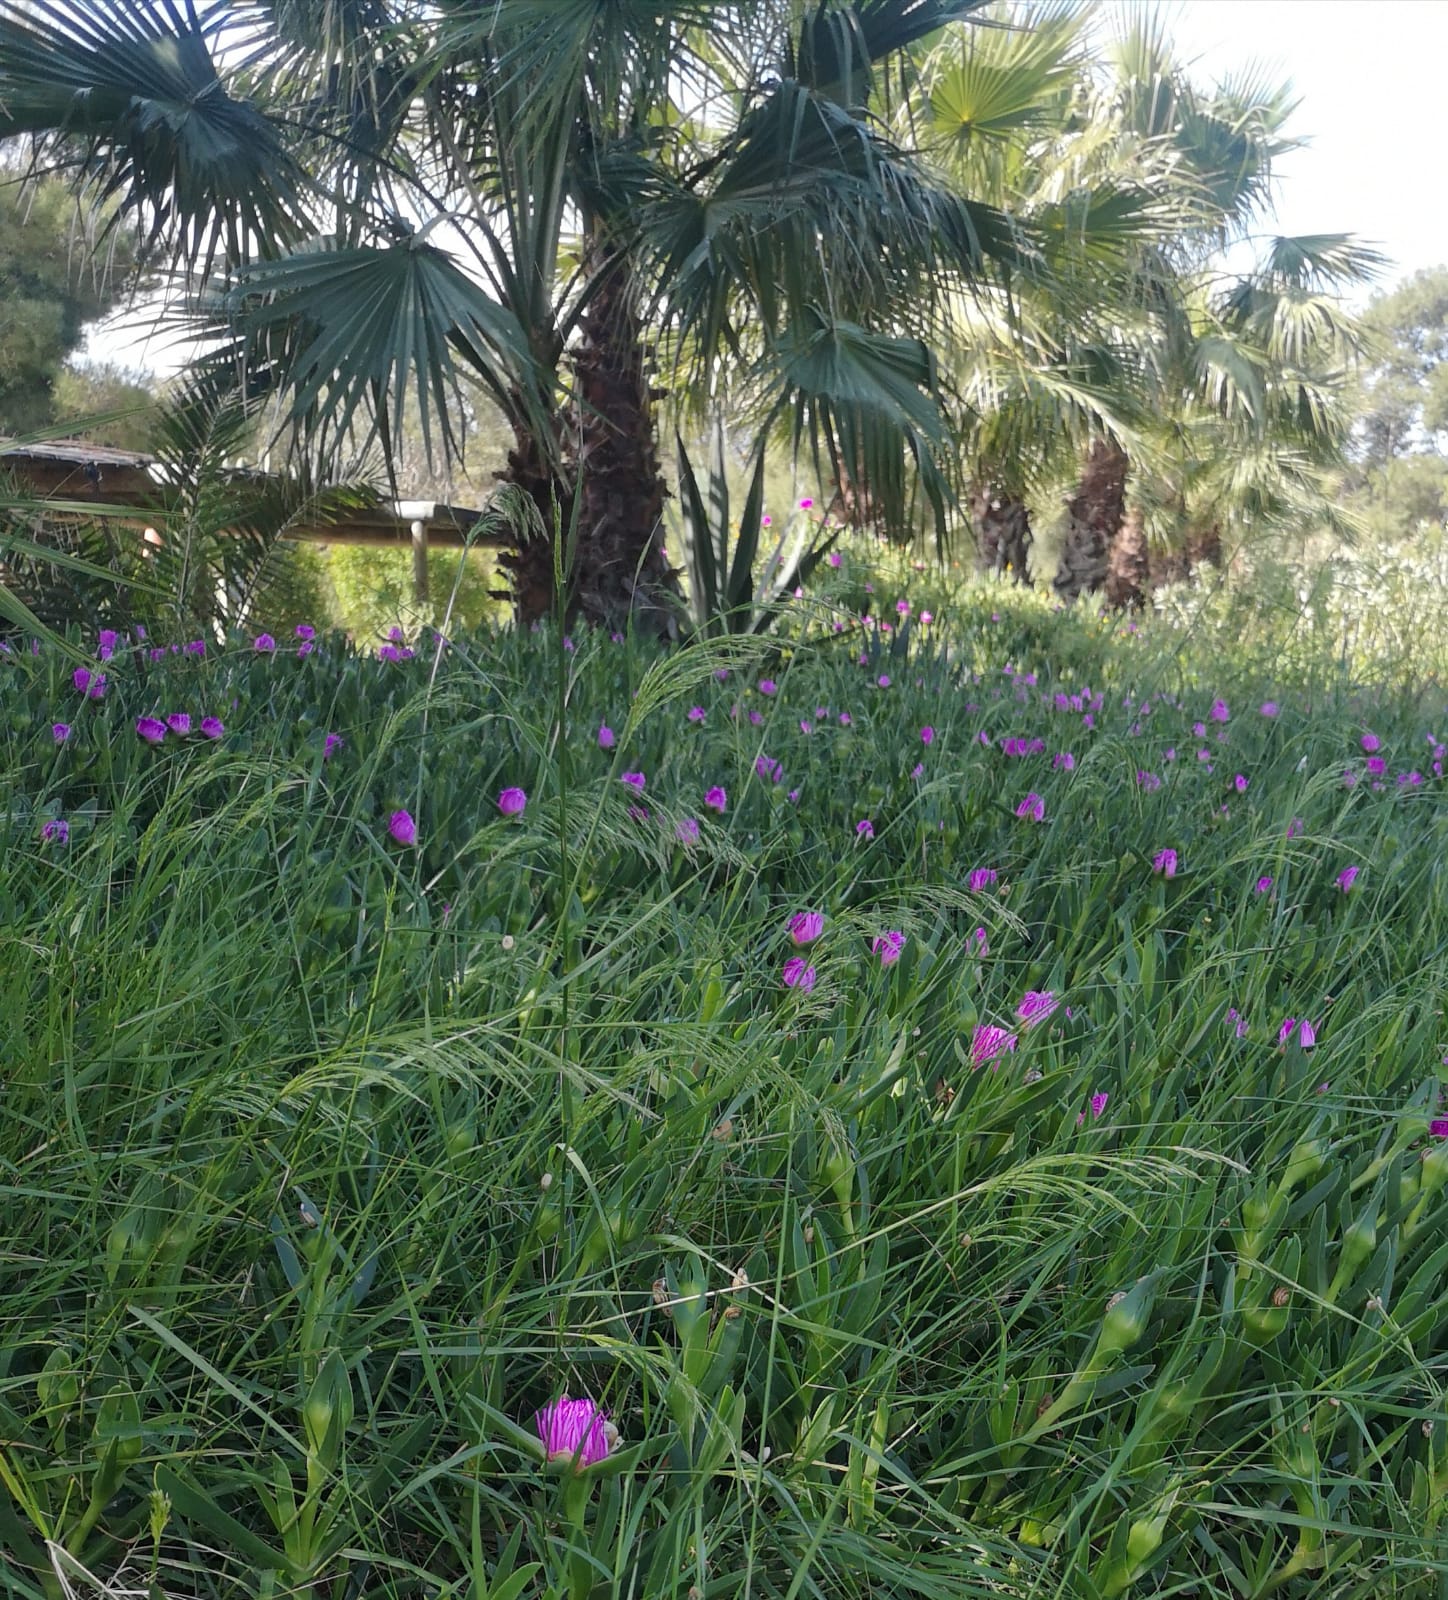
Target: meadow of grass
{"type": "Point", "coordinates": [350, 1118]}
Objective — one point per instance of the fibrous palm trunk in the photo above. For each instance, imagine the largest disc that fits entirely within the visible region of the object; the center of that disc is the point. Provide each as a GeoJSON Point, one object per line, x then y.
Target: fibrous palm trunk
{"type": "Point", "coordinates": [621, 574]}
{"type": "Point", "coordinates": [1201, 547]}
{"type": "Point", "coordinates": [1094, 512]}
{"type": "Point", "coordinates": [1002, 533]}
{"type": "Point", "coordinates": [529, 562]}
{"type": "Point", "coordinates": [1128, 563]}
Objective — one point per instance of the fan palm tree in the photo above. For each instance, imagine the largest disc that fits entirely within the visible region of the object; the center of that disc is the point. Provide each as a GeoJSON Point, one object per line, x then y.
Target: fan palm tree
{"type": "Point", "coordinates": [371, 199]}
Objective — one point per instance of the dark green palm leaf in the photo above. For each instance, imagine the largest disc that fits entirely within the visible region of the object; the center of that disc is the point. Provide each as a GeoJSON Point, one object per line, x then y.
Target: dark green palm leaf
{"type": "Point", "coordinates": [132, 93]}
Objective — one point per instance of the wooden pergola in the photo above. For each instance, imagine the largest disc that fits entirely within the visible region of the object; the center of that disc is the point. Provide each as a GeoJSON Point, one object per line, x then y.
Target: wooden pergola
{"type": "Point", "coordinates": [124, 487]}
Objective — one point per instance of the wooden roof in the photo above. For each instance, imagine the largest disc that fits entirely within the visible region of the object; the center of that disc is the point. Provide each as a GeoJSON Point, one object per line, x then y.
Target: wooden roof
{"type": "Point", "coordinates": [75, 471]}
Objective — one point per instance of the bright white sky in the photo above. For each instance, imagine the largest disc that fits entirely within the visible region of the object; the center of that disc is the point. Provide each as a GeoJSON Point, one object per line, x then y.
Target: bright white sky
{"type": "Point", "coordinates": [1368, 74]}
{"type": "Point", "coordinates": [1369, 80]}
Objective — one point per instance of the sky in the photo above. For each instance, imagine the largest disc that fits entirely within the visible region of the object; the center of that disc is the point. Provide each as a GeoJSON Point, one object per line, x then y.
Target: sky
{"type": "Point", "coordinates": [1368, 75]}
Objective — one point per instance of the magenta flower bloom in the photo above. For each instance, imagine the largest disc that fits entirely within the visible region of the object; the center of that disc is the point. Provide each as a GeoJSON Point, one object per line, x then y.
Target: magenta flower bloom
{"type": "Point", "coordinates": [196, 647]}
{"type": "Point", "coordinates": [1346, 878]}
{"type": "Point", "coordinates": [305, 630]}
{"type": "Point", "coordinates": [81, 678]}
{"type": "Point", "coordinates": [927, 735]}
{"type": "Point", "coordinates": [902, 607]}
{"type": "Point", "coordinates": [1294, 827]}
{"type": "Point", "coordinates": [805, 927]}
{"type": "Point", "coordinates": [1219, 711]}
{"type": "Point", "coordinates": [151, 729]}
{"type": "Point", "coordinates": [106, 643]}
{"type": "Point", "coordinates": [388, 652]}
{"type": "Point", "coordinates": [798, 974]}
{"type": "Point", "coordinates": [213, 728]}
{"type": "Point", "coordinates": [635, 780]}
{"type": "Point", "coordinates": [835, 558]}
{"type": "Point", "coordinates": [767, 686]}
{"type": "Point", "coordinates": [60, 731]}
{"type": "Point", "coordinates": [1165, 862]}
{"type": "Point", "coordinates": [981, 879]}
{"type": "Point", "coordinates": [1306, 1033]}
{"type": "Point", "coordinates": [1371, 742]}
{"type": "Point", "coordinates": [179, 722]}
{"type": "Point", "coordinates": [264, 643]}
{"type": "Point", "coordinates": [56, 831]}
{"type": "Point", "coordinates": [1032, 808]}
{"type": "Point", "coordinates": [888, 946]}
{"type": "Point", "coordinates": [1438, 1128]}
{"type": "Point", "coordinates": [402, 828]}
{"type": "Point", "coordinates": [865, 828]}
{"type": "Point", "coordinates": [332, 743]}
{"type": "Point", "coordinates": [305, 648]}
{"type": "Point", "coordinates": [1377, 766]}
{"type": "Point", "coordinates": [511, 802]}
{"type": "Point", "coordinates": [989, 1044]}
{"type": "Point", "coordinates": [1098, 1103]}
{"type": "Point", "coordinates": [883, 680]}
{"type": "Point", "coordinates": [606, 740]}
{"type": "Point", "coordinates": [687, 831]}
{"type": "Point", "coordinates": [844, 719]}
{"type": "Point", "coordinates": [717, 799]}
{"type": "Point", "coordinates": [1263, 884]}
{"type": "Point", "coordinates": [1239, 783]}
{"type": "Point", "coordinates": [767, 767]}
{"type": "Point", "coordinates": [926, 618]}
{"type": "Point", "coordinates": [806, 503]}
{"type": "Point", "coordinates": [980, 943]}
{"type": "Point", "coordinates": [573, 1431]}
{"type": "Point", "coordinates": [1036, 1005]}
{"type": "Point", "coordinates": [1269, 708]}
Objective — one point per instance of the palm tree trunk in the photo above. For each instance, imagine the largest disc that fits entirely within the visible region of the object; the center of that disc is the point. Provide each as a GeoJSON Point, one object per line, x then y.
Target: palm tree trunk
{"type": "Point", "coordinates": [620, 572]}
{"type": "Point", "coordinates": [1002, 533]}
{"type": "Point", "coordinates": [529, 563]}
{"type": "Point", "coordinates": [1128, 564]}
{"type": "Point", "coordinates": [1095, 512]}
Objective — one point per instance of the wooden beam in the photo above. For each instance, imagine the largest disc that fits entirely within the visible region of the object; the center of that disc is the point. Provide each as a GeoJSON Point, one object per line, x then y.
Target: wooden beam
{"type": "Point", "coordinates": [419, 562]}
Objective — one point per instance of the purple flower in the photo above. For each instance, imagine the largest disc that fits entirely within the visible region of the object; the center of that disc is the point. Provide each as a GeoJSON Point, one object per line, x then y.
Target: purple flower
{"type": "Point", "coordinates": [767, 686]}
{"type": "Point", "coordinates": [197, 647]}
{"type": "Point", "coordinates": [402, 828]}
{"type": "Point", "coordinates": [1306, 1033]}
{"type": "Point", "coordinates": [1165, 862]}
{"type": "Point", "coordinates": [1098, 1103]}
{"type": "Point", "coordinates": [1263, 884]}
{"type": "Point", "coordinates": [687, 831]}
{"type": "Point", "coordinates": [1063, 759]}
{"type": "Point", "coordinates": [395, 633]}
{"type": "Point", "coordinates": [981, 879]}
{"type": "Point", "coordinates": [305, 648]}
{"type": "Point", "coordinates": [926, 618]}
{"type": "Point", "coordinates": [151, 729]}
{"type": "Point", "coordinates": [989, 1044]}
{"type": "Point", "coordinates": [56, 831]}
{"type": "Point", "coordinates": [834, 558]}
{"type": "Point", "coordinates": [1371, 742]}
{"type": "Point", "coordinates": [635, 780]}
{"type": "Point", "coordinates": [511, 802]}
{"type": "Point", "coordinates": [638, 813]}
{"type": "Point", "coordinates": [1346, 878]}
{"type": "Point", "coordinates": [806, 503]}
{"type": "Point", "coordinates": [1148, 781]}
{"type": "Point", "coordinates": [1219, 711]}
{"type": "Point", "coordinates": [306, 631]}
{"type": "Point", "coordinates": [264, 643]}
{"type": "Point", "coordinates": [81, 678]}
{"type": "Point", "coordinates": [1269, 708]}
{"type": "Point", "coordinates": [331, 744]}
{"type": "Point", "coordinates": [844, 719]}
{"type": "Point", "coordinates": [865, 828]}
{"type": "Point", "coordinates": [388, 652]}
{"type": "Point", "coordinates": [1377, 766]}
{"type": "Point", "coordinates": [1036, 1005]}
{"type": "Point", "coordinates": [798, 974]}
{"type": "Point", "coordinates": [60, 731]}
{"type": "Point", "coordinates": [106, 643]}
{"type": "Point", "coordinates": [573, 1431]}
{"type": "Point", "coordinates": [717, 799]}
{"type": "Point", "coordinates": [1438, 1128]}
{"type": "Point", "coordinates": [606, 740]}
{"type": "Point", "coordinates": [927, 735]}
{"type": "Point", "coordinates": [1294, 827]}
{"type": "Point", "coordinates": [1239, 783]}
{"type": "Point", "coordinates": [1032, 808]}
{"type": "Point", "coordinates": [980, 943]}
{"type": "Point", "coordinates": [805, 927]}
{"type": "Point", "coordinates": [888, 946]}
{"type": "Point", "coordinates": [883, 680]}
{"type": "Point", "coordinates": [213, 727]}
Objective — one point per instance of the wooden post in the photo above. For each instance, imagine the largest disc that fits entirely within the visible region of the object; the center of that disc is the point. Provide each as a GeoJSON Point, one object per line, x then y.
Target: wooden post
{"type": "Point", "coordinates": [419, 563]}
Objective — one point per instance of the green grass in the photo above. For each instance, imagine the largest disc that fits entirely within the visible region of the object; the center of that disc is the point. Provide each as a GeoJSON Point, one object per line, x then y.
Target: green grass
{"type": "Point", "coordinates": [326, 1162]}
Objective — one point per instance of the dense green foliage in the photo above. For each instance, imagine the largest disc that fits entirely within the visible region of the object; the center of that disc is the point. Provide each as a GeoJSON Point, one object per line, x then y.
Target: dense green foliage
{"type": "Point", "coordinates": [328, 1159]}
